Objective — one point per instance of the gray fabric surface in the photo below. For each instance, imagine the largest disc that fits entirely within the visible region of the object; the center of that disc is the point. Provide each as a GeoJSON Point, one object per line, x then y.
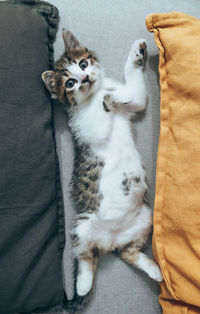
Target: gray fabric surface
{"type": "Point", "coordinates": [109, 28]}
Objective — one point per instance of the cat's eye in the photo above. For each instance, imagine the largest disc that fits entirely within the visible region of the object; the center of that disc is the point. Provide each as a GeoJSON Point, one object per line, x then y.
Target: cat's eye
{"type": "Point", "coordinates": [83, 64]}
{"type": "Point", "coordinates": [70, 83]}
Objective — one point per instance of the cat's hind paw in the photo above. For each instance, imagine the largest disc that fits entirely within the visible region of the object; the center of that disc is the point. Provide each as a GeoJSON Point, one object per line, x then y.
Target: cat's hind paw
{"type": "Point", "coordinates": [155, 273]}
{"type": "Point", "coordinates": [139, 53]}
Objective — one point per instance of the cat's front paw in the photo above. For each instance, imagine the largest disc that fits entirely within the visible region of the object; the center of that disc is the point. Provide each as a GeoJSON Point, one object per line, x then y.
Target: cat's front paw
{"type": "Point", "coordinates": [139, 53]}
{"type": "Point", "coordinates": [108, 102]}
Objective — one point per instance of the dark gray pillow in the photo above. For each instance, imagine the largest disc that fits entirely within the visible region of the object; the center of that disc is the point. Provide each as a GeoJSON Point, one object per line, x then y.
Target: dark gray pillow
{"type": "Point", "coordinates": [31, 208]}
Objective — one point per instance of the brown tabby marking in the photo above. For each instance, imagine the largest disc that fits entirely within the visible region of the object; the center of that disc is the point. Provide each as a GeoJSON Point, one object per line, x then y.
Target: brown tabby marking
{"type": "Point", "coordinates": [85, 180]}
{"type": "Point", "coordinates": [128, 182]}
{"type": "Point", "coordinates": [92, 259]}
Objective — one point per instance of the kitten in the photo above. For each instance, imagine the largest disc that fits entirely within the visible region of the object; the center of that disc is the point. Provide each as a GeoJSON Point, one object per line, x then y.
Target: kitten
{"type": "Point", "coordinates": [108, 182]}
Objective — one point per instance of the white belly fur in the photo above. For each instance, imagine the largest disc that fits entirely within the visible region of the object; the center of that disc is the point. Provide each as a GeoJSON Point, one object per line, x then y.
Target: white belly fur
{"type": "Point", "coordinates": [121, 218]}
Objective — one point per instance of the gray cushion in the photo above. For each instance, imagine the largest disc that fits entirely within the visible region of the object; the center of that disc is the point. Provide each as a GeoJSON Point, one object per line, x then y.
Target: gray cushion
{"type": "Point", "coordinates": [31, 211]}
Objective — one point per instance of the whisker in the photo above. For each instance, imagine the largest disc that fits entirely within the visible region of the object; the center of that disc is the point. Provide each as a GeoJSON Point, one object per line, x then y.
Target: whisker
{"type": "Point", "coordinates": [93, 74]}
{"type": "Point", "coordinates": [83, 88]}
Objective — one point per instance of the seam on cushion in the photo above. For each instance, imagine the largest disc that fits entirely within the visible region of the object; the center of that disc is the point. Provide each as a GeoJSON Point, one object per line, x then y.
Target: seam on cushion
{"type": "Point", "coordinates": [161, 163]}
{"type": "Point", "coordinates": [59, 195]}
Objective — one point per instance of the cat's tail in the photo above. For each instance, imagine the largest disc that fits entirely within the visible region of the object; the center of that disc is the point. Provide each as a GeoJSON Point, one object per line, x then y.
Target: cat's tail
{"type": "Point", "coordinates": [76, 304]}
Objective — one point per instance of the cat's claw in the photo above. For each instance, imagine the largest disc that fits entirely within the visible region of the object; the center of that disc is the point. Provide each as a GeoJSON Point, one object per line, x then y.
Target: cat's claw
{"type": "Point", "coordinates": [139, 53]}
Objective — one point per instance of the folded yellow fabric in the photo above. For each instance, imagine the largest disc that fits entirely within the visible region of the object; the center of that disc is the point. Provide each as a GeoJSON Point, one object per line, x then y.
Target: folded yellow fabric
{"type": "Point", "coordinates": [176, 239]}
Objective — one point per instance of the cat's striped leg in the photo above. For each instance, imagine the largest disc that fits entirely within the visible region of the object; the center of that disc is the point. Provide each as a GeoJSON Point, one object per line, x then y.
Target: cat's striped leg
{"type": "Point", "coordinates": [140, 260]}
{"type": "Point", "coordinates": [87, 264]}
{"type": "Point", "coordinates": [86, 256]}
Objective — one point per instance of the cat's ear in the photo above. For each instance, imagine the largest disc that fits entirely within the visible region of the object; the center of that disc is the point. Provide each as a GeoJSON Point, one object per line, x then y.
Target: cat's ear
{"type": "Point", "coordinates": [70, 41]}
{"type": "Point", "coordinates": [49, 79]}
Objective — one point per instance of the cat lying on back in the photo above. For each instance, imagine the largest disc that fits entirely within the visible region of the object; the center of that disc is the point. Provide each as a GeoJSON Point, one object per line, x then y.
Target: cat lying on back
{"type": "Point", "coordinates": [108, 182]}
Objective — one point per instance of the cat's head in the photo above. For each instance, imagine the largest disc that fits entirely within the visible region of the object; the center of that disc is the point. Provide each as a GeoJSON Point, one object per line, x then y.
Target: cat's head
{"type": "Point", "coordinates": [77, 75]}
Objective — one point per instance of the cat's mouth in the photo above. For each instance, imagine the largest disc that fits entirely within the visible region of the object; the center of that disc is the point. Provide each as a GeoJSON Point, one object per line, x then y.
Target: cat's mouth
{"type": "Point", "coordinates": [88, 81]}
{"type": "Point", "coordinates": [90, 84]}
